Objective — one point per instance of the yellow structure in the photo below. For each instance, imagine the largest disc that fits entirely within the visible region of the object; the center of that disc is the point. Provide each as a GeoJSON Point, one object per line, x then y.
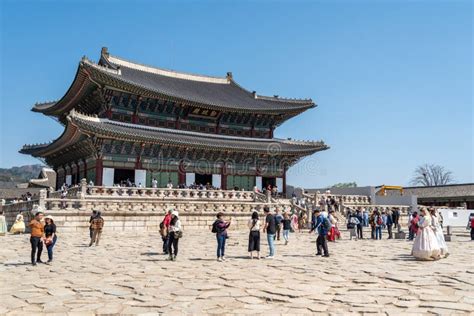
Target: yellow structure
{"type": "Point", "coordinates": [384, 188]}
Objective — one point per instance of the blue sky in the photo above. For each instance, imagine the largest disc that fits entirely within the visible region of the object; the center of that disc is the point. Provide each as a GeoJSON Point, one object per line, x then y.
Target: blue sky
{"type": "Point", "coordinates": [392, 79]}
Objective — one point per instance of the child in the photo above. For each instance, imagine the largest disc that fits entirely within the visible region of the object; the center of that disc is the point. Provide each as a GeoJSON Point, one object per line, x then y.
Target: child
{"type": "Point", "coordinates": [286, 227]}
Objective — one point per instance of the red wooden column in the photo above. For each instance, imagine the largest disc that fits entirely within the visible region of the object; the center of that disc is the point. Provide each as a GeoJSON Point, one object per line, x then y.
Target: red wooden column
{"type": "Point", "coordinates": [99, 168]}
{"type": "Point", "coordinates": [224, 177]}
{"type": "Point", "coordinates": [85, 168]}
{"type": "Point", "coordinates": [181, 173]}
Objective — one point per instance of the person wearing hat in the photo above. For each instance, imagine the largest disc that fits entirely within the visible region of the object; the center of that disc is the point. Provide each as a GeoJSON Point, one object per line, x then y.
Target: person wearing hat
{"type": "Point", "coordinates": [174, 235]}
{"type": "Point", "coordinates": [50, 236]}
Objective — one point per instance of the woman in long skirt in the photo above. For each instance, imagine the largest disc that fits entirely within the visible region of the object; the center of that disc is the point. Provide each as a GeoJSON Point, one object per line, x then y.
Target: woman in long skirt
{"type": "Point", "coordinates": [19, 225]}
{"type": "Point", "coordinates": [294, 222]}
{"type": "Point", "coordinates": [438, 230]}
{"type": "Point", "coordinates": [426, 245]}
{"type": "Point", "coordinates": [3, 224]}
{"type": "Point", "coordinates": [254, 235]}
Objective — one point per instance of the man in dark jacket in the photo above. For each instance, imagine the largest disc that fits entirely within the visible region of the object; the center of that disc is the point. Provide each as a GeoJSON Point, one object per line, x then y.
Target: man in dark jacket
{"type": "Point", "coordinates": [360, 217]}
{"type": "Point", "coordinates": [319, 224]}
{"type": "Point", "coordinates": [389, 225]}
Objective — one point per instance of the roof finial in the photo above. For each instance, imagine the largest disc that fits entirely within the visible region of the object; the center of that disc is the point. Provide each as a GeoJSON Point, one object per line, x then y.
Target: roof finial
{"type": "Point", "coordinates": [229, 75]}
{"type": "Point", "coordinates": [105, 51]}
{"type": "Point", "coordinates": [254, 93]}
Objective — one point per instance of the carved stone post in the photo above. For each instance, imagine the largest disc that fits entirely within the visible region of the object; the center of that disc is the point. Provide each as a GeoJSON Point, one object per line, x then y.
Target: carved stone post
{"type": "Point", "coordinates": [42, 199]}
{"type": "Point", "coordinates": [83, 189]}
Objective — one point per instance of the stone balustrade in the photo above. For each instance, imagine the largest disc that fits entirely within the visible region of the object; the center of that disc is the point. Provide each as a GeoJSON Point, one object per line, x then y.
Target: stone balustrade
{"type": "Point", "coordinates": [71, 193]}
{"type": "Point", "coordinates": [358, 200]}
{"type": "Point", "coordinates": [168, 194]}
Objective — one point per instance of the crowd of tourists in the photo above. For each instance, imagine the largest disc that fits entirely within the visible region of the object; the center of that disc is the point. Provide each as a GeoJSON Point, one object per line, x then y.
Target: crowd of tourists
{"type": "Point", "coordinates": [425, 230]}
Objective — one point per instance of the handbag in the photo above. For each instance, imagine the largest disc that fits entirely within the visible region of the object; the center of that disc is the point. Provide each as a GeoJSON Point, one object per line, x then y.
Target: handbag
{"type": "Point", "coordinates": [178, 234]}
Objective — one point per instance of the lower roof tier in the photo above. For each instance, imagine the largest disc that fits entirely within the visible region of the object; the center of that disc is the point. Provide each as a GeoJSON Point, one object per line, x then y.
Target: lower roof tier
{"type": "Point", "coordinates": [81, 126]}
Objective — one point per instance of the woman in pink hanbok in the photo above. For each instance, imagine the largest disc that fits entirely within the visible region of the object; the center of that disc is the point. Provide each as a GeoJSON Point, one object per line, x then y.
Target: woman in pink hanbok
{"type": "Point", "coordinates": [426, 245]}
{"type": "Point", "coordinates": [294, 222]}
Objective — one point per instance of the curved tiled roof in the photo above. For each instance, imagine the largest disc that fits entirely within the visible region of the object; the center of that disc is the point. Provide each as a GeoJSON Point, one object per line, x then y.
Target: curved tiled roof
{"type": "Point", "coordinates": [105, 128]}
{"type": "Point", "coordinates": [221, 93]}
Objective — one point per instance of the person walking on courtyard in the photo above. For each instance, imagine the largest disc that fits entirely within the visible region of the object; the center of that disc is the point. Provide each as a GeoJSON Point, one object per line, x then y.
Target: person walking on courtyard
{"type": "Point", "coordinates": [365, 215]}
{"type": "Point", "coordinates": [352, 223]}
{"type": "Point", "coordinates": [378, 220]}
{"type": "Point", "coordinates": [395, 217]}
{"type": "Point", "coordinates": [294, 221]}
{"type": "Point", "coordinates": [19, 226]}
{"type": "Point", "coordinates": [220, 229]}
{"type": "Point", "coordinates": [37, 231]}
{"type": "Point", "coordinates": [270, 229]}
{"type": "Point", "coordinates": [425, 246]}
{"type": "Point", "coordinates": [175, 234]}
{"type": "Point", "coordinates": [50, 236]}
{"type": "Point", "coordinates": [359, 216]}
{"type": "Point", "coordinates": [322, 226]}
{"type": "Point", "coordinates": [3, 224]}
{"type": "Point", "coordinates": [286, 223]}
{"type": "Point", "coordinates": [254, 235]}
{"type": "Point", "coordinates": [94, 214]}
{"type": "Point", "coordinates": [438, 230]}
{"type": "Point", "coordinates": [97, 224]}
{"type": "Point", "coordinates": [164, 231]}
{"type": "Point", "coordinates": [413, 229]}
{"type": "Point", "coordinates": [302, 220]}
{"type": "Point", "coordinates": [470, 225]}
{"type": "Point", "coordinates": [372, 225]}
{"type": "Point", "coordinates": [333, 231]}
{"type": "Point", "coordinates": [389, 224]}
{"type": "Point", "coordinates": [278, 219]}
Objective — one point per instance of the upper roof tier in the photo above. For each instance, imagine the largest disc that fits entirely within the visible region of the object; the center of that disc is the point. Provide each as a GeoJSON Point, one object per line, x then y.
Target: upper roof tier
{"type": "Point", "coordinates": [217, 93]}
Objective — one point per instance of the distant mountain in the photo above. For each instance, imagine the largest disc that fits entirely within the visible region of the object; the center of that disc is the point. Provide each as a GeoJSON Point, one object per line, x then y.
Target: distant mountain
{"type": "Point", "coordinates": [12, 176]}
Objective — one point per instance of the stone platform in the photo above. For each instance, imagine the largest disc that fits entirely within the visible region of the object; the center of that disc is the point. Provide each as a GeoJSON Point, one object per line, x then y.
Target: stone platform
{"type": "Point", "coordinates": [126, 274]}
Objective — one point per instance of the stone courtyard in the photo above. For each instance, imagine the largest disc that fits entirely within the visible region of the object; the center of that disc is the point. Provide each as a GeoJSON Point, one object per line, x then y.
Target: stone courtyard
{"type": "Point", "coordinates": [126, 274]}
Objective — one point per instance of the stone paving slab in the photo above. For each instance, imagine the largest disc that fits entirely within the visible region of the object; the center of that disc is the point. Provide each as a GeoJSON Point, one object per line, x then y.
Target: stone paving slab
{"type": "Point", "coordinates": [127, 274]}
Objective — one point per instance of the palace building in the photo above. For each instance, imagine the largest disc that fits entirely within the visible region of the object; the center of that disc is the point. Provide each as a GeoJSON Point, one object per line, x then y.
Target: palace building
{"type": "Point", "coordinates": [124, 120]}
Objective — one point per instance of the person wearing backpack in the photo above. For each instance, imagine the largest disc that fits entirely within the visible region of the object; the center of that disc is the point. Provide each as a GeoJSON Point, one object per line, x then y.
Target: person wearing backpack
{"type": "Point", "coordinates": [97, 225]}
{"type": "Point", "coordinates": [220, 229]}
{"type": "Point", "coordinates": [378, 220]}
{"type": "Point", "coordinates": [278, 220]}
{"type": "Point", "coordinates": [322, 225]}
{"type": "Point", "coordinates": [352, 223]}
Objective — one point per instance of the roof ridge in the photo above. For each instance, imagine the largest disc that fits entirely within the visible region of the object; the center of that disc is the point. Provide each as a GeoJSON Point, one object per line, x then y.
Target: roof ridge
{"type": "Point", "coordinates": [119, 61]}
{"type": "Point", "coordinates": [283, 99]}
{"type": "Point", "coordinates": [268, 98]}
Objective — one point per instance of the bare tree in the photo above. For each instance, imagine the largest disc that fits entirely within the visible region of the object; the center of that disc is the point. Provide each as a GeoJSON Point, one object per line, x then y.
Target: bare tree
{"type": "Point", "coordinates": [431, 175]}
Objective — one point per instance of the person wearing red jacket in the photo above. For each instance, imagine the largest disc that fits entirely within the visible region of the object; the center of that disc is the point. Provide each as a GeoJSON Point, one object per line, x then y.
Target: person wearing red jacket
{"type": "Point", "coordinates": [413, 230]}
{"type": "Point", "coordinates": [164, 231]}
